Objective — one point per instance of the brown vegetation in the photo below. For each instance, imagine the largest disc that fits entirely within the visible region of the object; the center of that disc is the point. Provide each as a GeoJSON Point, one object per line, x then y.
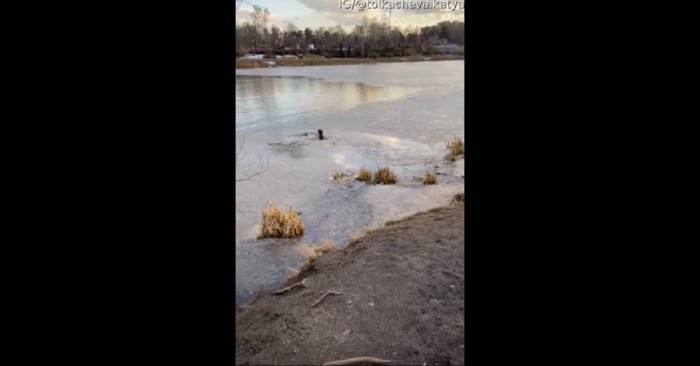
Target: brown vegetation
{"type": "Point", "coordinates": [456, 147]}
{"type": "Point", "coordinates": [313, 252]}
{"type": "Point", "coordinates": [384, 176]}
{"type": "Point", "coordinates": [242, 63]}
{"type": "Point", "coordinates": [429, 178]}
{"type": "Point", "coordinates": [291, 273]}
{"type": "Point", "coordinates": [340, 176]}
{"type": "Point", "coordinates": [365, 175]}
{"type": "Point", "coordinates": [279, 224]}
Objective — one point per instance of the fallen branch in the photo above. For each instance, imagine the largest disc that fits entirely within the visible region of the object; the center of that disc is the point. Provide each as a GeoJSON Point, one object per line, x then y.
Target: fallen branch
{"type": "Point", "coordinates": [357, 360]}
{"type": "Point", "coordinates": [329, 292]}
{"type": "Point", "coordinates": [281, 291]}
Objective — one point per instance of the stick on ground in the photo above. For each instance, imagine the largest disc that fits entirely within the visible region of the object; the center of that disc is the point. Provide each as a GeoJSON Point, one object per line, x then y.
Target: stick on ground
{"type": "Point", "coordinates": [356, 360]}
{"type": "Point", "coordinates": [329, 292]}
{"type": "Point", "coordinates": [281, 291]}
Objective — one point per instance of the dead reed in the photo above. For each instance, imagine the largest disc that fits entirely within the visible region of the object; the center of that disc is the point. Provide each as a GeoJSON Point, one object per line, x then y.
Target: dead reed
{"type": "Point", "coordinates": [365, 175]}
{"type": "Point", "coordinates": [313, 252]}
{"type": "Point", "coordinates": [384, 176]}
{"type": "Point", "coordinates": [277, 223]}
{"type": "Point", "coordinates": [429, 178]}
{"type": "Point", "coordinates": [456, 147]}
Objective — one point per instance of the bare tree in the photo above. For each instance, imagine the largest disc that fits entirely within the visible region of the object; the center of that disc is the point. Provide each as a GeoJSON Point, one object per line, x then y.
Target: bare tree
{"type": "Point", "coordinates": [368, 37]}
{"type": "Point", "coordinates": [260, 18]}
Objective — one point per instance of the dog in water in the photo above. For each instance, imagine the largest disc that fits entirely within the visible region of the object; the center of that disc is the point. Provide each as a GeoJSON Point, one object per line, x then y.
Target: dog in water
{"type": "Point", "coordinates": [320, 134]}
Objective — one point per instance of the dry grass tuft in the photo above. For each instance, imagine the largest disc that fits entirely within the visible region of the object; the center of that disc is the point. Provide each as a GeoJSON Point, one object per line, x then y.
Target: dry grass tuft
{"type": "Point", "coordinates": [326, 246]}
{"type": "Point", "coordinates": [341, 176]}
{"type": "Point", "coordinates": [356, 236]}
{"type": "Point", "coordinates": [280, 224]}
{"type": "Point", "coordinates": [365, 175]}
{"type": "Point", "coordinates": [429, 178]}
{"type": "Point", "coordinates": [456, 147]}
{"type": "Point", "coordinates": [384, 176]}
{"type": "Point", "coordinates": [457, 199]}
{"type": "Point", "coordinates": [291, 274]}
{"type": "Point", "coordinates": [308, 252]}
{"type": "Point", "coordinates": [247, 64]}
{"type": "Point", "coordinates": [360, 234]}
{"type": "Point", "coordinates": [312, 253]}
{"type": "Point", "coordinates": [338, 175]}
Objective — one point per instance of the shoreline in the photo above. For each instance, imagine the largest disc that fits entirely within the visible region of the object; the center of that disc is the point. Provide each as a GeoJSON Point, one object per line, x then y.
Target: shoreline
{"type": "Point", "coordinates": [400, 297]}
{"type": "Point", "coordinates": [317, 61]}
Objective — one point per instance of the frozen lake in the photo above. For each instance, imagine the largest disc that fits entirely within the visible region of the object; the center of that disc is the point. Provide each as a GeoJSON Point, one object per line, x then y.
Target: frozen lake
{"type": "Point", "coordinates": [395, 114]}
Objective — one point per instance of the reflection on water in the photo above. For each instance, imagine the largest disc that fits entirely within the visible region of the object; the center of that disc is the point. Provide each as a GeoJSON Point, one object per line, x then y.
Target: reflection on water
{"type": "Point", "coordinates": [268, 101]}
{"type": "Point", "coordinates": [395, 115]}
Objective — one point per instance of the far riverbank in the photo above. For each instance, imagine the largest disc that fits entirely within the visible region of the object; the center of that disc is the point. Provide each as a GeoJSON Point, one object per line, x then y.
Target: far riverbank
{"type": "Point", "coordinates": [318, 61]}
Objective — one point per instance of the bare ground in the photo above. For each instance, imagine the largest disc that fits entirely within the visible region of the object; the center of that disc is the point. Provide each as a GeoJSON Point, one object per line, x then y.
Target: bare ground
{"type": "Point", "coordinates": [402, 300]}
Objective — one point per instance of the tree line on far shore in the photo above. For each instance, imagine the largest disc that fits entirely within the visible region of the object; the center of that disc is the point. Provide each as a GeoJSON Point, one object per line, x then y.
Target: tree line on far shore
{"type": "Point", "coordinates": [368, 39]}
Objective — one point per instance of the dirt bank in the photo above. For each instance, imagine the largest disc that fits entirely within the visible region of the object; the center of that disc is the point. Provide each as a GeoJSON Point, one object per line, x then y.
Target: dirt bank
{"type": "Point", "coordinates": [402, 299]}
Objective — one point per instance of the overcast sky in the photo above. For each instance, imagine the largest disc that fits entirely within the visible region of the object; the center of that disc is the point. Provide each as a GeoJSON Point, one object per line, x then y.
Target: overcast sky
{"type": "Point", "coordinates": [317, 13]}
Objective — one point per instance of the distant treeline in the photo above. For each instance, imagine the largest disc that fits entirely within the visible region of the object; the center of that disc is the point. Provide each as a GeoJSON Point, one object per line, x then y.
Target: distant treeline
{"type": "Point", "coordinates": [369, 39]}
